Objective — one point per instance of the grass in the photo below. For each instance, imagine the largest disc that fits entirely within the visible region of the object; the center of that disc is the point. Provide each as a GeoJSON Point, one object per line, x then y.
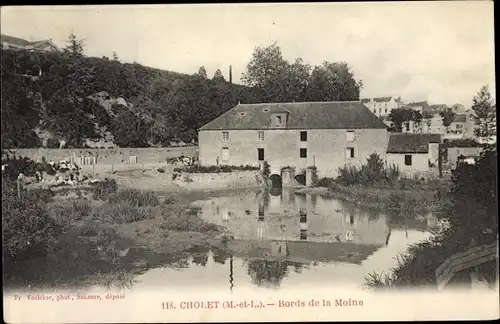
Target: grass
{"type": "Point", "coordinates": [416, 267]}
{"type": "Point", "coordinates": [401, 198]}
{"type": "Point", "coordinates": [216, 168]}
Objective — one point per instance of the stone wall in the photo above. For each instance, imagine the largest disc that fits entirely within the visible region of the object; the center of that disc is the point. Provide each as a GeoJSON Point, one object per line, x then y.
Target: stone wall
{"type": "Point", "coordinates": [110, 156]}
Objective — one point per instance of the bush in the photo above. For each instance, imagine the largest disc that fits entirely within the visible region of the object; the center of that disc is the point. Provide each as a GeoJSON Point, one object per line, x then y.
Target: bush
{"type": "Point", "coordinates": [266, 171]}
{"type": "Point", "coordinates": [102, 190]}
{"type": "Point", "coordinates": [325, 182]}
{"type": "Point", "coordinates": [123, 213]}
{"type": "Point", "coordinates": [161, 170]}
{"type": "Point", "coordinates": [14, 166]}
{"type": "Point", "coordinates": [186, 222]}
{"type": "Point", "coordinates": [66, 212]}
{"type": "Point", "coordinates": [135, 197]}
{"type": "Point", "coordinates": [371, 173]}
{"type": "Point", "coordinates": [27, 229]}
{"type": "Point", "coordinates": [215, 168]}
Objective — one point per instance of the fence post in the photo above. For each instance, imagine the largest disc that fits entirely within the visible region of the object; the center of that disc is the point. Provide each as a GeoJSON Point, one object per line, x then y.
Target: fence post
{"type": "Point", "coordinates": [93, 169]}
{"type": "Point", "coordinates": [112, 167]}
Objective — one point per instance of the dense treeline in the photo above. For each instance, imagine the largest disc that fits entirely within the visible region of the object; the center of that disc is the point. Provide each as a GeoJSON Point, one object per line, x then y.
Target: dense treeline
{"type": "Point", "coordinates": [49, 92]}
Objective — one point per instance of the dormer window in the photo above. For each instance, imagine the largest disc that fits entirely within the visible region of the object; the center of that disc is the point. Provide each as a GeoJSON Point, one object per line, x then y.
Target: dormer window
{"type": "Point", "coordinates": [279, 120]}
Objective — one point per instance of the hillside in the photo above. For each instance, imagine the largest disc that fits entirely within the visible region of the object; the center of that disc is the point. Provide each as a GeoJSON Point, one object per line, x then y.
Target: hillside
{"type": "Point", "coordinates": [49, 98]}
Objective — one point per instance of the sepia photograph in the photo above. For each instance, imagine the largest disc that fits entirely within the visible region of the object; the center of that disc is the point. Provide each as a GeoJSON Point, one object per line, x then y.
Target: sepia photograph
{"type": "Point", "coordinates": [249, 162]}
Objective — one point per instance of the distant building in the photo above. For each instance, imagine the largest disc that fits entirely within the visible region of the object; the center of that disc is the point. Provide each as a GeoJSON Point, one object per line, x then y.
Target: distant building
{"type": "Point", "coordinates": [433, 125]}
{"type": "Point", "coordinates": [328, 135]}
{"type": "Point", "coordinates": [414, 154]}
{"type": "Point", "coordinates": [435, 109]}
{"type": "Point", "coordinates": [382, 106]}
{"type": "Point", "coordinates": [418, 106]}
{"type": "Point", "coordinates": [14, 43]}
{"type": "Point", "coordinates": [458, 109]}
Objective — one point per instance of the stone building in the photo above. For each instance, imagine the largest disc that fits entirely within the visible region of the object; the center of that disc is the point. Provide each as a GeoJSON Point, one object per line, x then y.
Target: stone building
{"type": "Point", "coordinates": [326, 135]}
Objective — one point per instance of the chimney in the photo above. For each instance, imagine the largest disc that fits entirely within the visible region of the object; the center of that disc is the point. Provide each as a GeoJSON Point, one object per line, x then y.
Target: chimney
{"type": "Point", "coordinates": [230, 74]}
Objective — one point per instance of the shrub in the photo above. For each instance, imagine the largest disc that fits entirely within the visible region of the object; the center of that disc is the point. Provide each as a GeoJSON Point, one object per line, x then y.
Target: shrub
{"type": "Point", "coordinates": [266, 171]}
{"type": "Point", "coordinates": [102, 190]}
{"type": "Point", "coordinates": [14, 166]}
{"type": "Point", "coordinates": [325, 182]}
{"type": "Point", "coordinates": [66, 212]}
{"type": "Point", "coordinates": [370, 173]}
{"type": "Point", "coordinates": [161, 170]}
{"type": "Point", "coordinates": [215, 168]}
{"type": "Point", "coordinates": [123, 213]}
{"type": "Point", "coordinates": [186, 222]}
{"type": "Point", "coordinates": [27, 229]}
{"type": "Point", "coordinates": [135, 197]}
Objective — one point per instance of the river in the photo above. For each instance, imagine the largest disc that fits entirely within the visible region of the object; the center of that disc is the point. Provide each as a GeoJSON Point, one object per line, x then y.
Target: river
{"type": "Point", "coordinates": [283, 239]}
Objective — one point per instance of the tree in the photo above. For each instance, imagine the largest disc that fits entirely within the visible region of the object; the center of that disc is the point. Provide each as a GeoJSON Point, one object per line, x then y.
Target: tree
{"type": "Point", "coordinates": [115, 56]}
{"type": "Point", "coordinates": [427, 116]}
{"type": "Point", "coordinates": [218, 77]}
{"type": "Point", "coordinates": [447, 116]}
{"type": "Point", "coordinates": [473, 211]}
{"type": "Point", "coordinates": [333, 82]}
{"type": "Point", "coordinates": [202, 72]}
{"type": "Point", "coordinates": [75, 47]}
{"type": "Point", "coordinates": [484, 115]}
{"type": "Point", "coordinates": [402, 116]}
{"type": "Point", "coordinates": [281, 81]}
{"type": "Point", "coordinates": [267, 64]}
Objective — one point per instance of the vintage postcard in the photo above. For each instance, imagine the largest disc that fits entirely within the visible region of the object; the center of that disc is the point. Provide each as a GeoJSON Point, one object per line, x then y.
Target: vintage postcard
{"type": "Point", "coordinates": [249, 162]}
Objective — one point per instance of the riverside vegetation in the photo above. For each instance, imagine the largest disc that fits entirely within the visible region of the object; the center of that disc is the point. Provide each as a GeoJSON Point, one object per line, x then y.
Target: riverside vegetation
{"type": "Point", "coordinates": [376, 185]}
{"type": "Point", "coordinates": [65, 237]}
{"type": "Point", "coordinates": [471, 214]}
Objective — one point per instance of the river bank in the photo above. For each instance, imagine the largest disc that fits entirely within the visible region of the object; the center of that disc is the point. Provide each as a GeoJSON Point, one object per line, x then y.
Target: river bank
{"type": "Point", "coordinates": [90, 231]}
{"type": "Point", "coordinates": [404, 196]}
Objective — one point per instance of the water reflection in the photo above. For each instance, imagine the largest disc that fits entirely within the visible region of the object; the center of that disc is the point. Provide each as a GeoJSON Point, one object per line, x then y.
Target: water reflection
{"type": "Point", "coordinates": [280, 235]}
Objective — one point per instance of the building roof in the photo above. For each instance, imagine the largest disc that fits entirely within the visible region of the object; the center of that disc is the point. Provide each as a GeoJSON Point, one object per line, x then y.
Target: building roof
{"type": "Point", "coordinates": [411, 143]}
{"type": "Point", "coordinates": [382, 99]}
{"type": "Point", "coordinates": [14, 40]}
{"type": "Point", "coordinates": [24, 44]}
{"type": "Point", "coordinates": [365, 100]}
{"type": "Point", "coordinates": [301, 115]}
{"type": "Point", "coordinates": [418, 103]}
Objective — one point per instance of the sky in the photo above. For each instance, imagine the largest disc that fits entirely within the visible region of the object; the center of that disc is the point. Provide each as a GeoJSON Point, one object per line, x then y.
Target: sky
{"type": "Point", "coordinates": [442, 52]}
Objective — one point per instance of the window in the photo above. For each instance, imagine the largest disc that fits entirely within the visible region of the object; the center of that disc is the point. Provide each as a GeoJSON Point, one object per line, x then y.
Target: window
{"type": "Point", "coordinates": [408, 159]}
{"type": "Point", "coordinates": [225, 136]}
{"type": "Point", "coordinates": [385, 110]}
{"type": "Point", "coordinates": [375, 111]}
{"type": "Point", "coordinates": [278, 120]}
{"type": "Point", "coordinates": [260, 154]}
{"type": "Point", "coordinates": [380, 110]}
{"type": "Point", "coordinates": [350, 136]}
{"type": "Point", "coordinates": [225, 154]}
{"type": "Point", "coordinates": [303, 152]}
{"type": "Point", "coordinates": [349, 152]}
{"type": "Point", "coordinates": [261, 136]}
{"type": "Point", "coordinates": [303, 136]}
